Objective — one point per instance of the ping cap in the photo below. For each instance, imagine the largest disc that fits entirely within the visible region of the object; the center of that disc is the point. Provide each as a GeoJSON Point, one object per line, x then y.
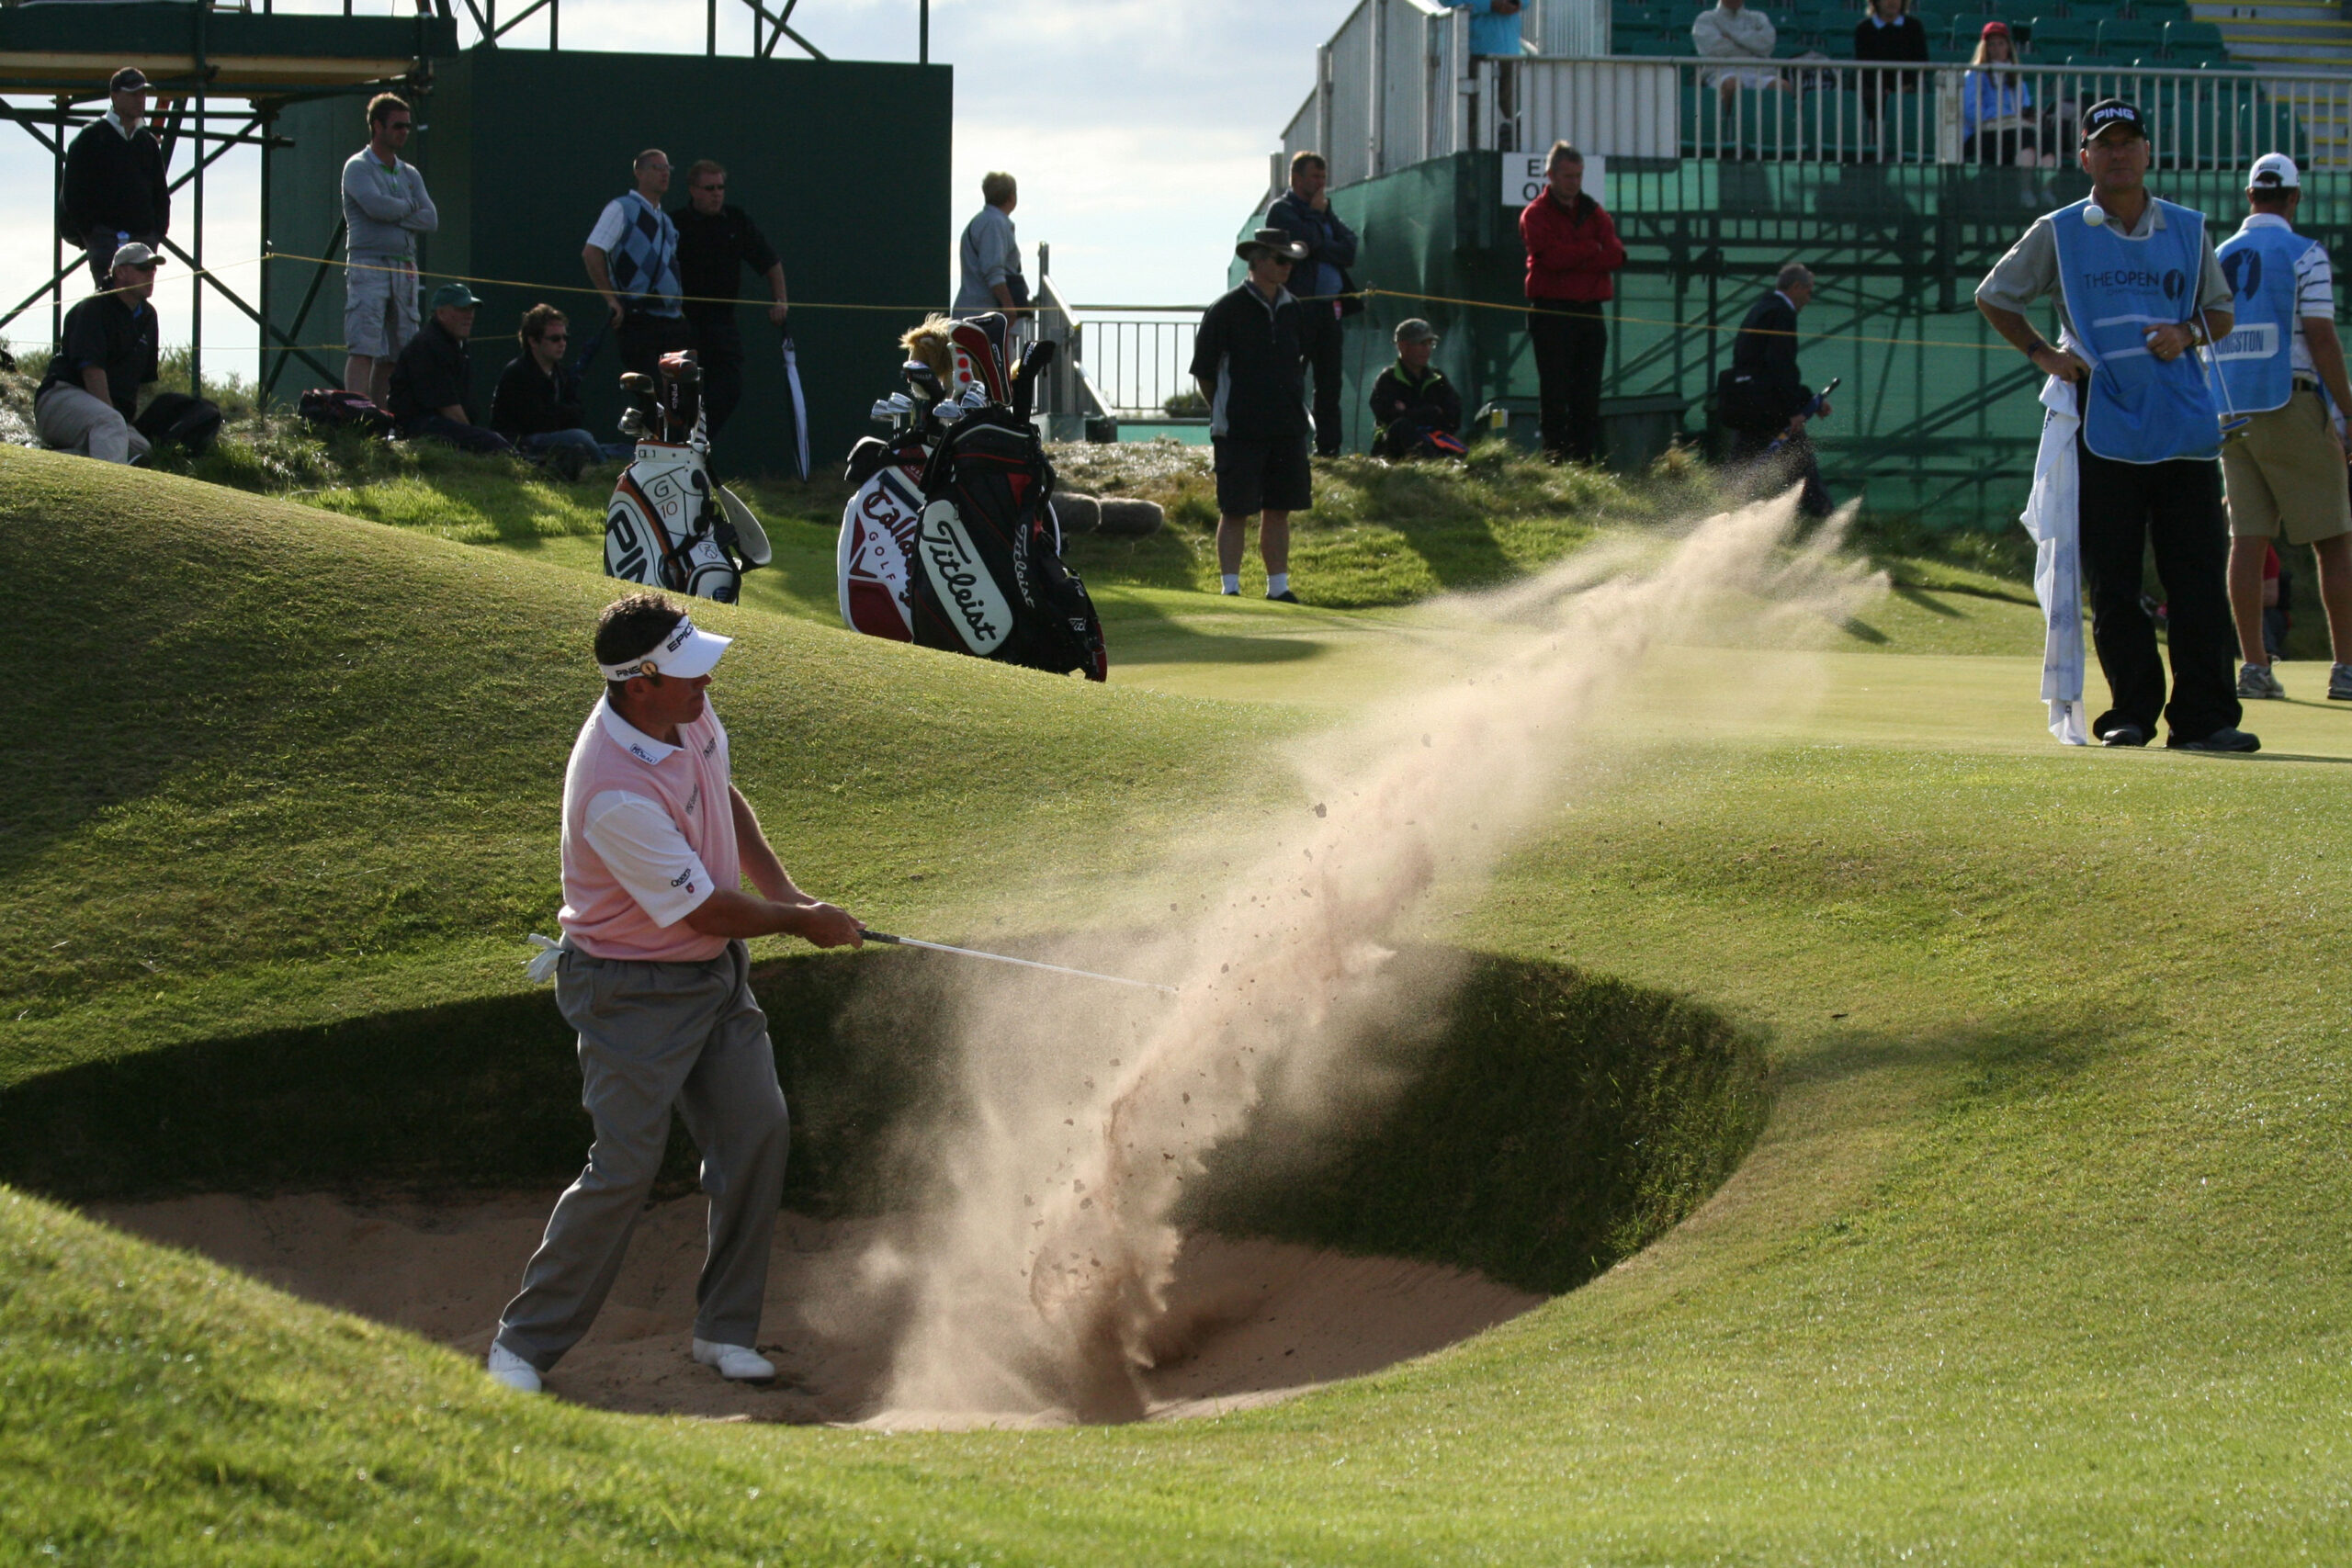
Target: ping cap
{"type": "Point", "coordinates": [687, 651]}
{"type": "Point", "coordinates": [2274, 171]}
{"type": "Point", "coordinates": [2108, 113]}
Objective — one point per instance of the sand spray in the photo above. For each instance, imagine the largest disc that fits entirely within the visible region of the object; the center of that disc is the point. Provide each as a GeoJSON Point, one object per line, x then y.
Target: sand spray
{"type": "Point", "coordinates": [1036, 1287]}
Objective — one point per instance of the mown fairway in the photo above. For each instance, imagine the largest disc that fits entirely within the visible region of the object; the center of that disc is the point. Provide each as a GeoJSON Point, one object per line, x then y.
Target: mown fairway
{"type": "Point", "coordinates": [2043, 1257]}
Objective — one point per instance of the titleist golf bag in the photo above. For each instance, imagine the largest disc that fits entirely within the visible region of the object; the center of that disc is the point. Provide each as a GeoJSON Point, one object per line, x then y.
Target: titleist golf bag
{"type": "Point", "coordinates": [951, 540]}
{"type": "Point", "coordinates": [667, 525]}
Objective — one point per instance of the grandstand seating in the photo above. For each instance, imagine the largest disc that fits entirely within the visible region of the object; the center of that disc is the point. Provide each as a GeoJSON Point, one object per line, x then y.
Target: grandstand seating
{"type": "Point", "coordinates": [2118, 32]}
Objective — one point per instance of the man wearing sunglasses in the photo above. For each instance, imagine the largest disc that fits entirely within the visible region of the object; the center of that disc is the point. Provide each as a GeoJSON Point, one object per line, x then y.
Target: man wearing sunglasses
{"type": "Point", "coordinates": [1249, 359]}
{"type": "Point", "coordinates": [716, 242]}
{"type": "Point", "coordinates": [385, 208]}
{"type": "Point", "coordinates": [540, 405]}
{"type": "Point", "coordinates": [86, 403]}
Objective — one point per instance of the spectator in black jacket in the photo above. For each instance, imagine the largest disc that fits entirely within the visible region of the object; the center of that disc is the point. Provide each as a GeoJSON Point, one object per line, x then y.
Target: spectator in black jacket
{"type": "Point", "coordinates": [1304, 212]}
{"type": "Point", "coordinates": [89, 400]}
{"type": "Point", "coordinates": [1248, 361]}
{"type": "Point", "coordinates": [716, 242]}
{"type": "Point", "coordinates": [1889, 33]}
{"type": "Point", "coordinates": [433, 380]}
{"type": "Point", "coordinates": [1413, 401]}
{"type": "Point", "coordinates": [116, 191]}
{"type": "Point", "coordinates": [1763, 398]}
{"type": "Point", "coordinates": [540, 405]}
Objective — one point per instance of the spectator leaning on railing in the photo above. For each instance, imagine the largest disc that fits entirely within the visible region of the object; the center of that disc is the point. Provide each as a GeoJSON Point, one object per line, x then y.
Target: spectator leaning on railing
{"type": "Point", "coordinates": [539, 405]}
{"type": "Point", "coordinates": [385, 208]}
{"type": "Point", "coordinates": [1573, 254]}
{"type": "Point", "coordinates": [1325, 294]}
{"type": "Point", "coordinates": [1996, 122]}
{"type": "Point", "coordinates": [1731, 31]}
{"type": "Point", "coordinates": [89, 398]}
{"type": "Point", "coordinates": [632, 258]}
{"type": "Point", "coordinates": [2286, 475]}
{"type": "Point", "coordinates": [116, 190]}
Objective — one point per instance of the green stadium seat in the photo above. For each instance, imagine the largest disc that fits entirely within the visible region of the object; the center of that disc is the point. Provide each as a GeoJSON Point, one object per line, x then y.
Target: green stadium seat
{"type": "Point", "coordinates": [2122, 38]}
{"type": "Point", "coordinates": [2195, 39]}
{"type": "Point", "coordinates": [2094, 10]}
{"type": "Point", "coordinates": [2057, 37]}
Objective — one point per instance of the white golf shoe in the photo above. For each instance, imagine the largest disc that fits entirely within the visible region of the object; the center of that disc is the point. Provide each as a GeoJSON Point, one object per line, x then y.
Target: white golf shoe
{"type": "Point", "coordinates": [736, 1363]}
{"type": "Point", "coordinates": [510, 1369]}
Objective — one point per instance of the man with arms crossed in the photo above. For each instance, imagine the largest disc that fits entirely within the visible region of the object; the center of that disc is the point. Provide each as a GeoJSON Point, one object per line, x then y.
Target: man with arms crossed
{"type": "Point", "coordinates": [1249, 361]}
{"type": "Point", "coordinates": [653, 973]}
{"type": "Point", "coordinates": [2287, 476]}
{"type": "Point", "coordinates": [2138, 289]}
{"type": "Point", "coordinates": [385, 208]}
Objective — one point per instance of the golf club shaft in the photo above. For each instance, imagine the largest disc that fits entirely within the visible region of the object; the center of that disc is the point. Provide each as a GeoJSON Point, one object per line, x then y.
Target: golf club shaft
{"type": "Point", "coordinates": [1025, 963]}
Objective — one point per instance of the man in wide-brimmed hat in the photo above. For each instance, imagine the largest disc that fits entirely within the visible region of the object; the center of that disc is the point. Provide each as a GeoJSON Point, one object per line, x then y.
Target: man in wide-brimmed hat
{"type": "Point", "coordinates": [1249, 359]}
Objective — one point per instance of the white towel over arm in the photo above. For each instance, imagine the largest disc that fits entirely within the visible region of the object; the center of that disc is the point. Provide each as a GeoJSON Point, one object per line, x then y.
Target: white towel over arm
{"type": "Point", "coordinates": [2051, 517]}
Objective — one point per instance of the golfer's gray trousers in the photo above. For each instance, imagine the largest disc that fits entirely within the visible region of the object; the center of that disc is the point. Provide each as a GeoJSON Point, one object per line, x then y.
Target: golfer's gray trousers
{"type": "Point", "coordinates": [653, 1036]}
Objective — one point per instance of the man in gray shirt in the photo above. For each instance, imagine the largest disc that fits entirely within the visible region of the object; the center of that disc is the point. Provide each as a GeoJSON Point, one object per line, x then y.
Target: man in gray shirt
{"type": "Point", "coordinates": [2119, 264]}
{"type": "Point", "coordinates": [384, 209]}
{"type": "Point", "coordinates": [990, 256]}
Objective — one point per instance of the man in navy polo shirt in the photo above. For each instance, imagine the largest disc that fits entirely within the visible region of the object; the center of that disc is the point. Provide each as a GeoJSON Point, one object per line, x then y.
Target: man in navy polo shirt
{"type": "Point", "coordinates": [2138, 291]}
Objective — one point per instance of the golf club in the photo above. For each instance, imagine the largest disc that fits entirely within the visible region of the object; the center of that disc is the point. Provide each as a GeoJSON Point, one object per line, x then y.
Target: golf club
{"type": "Point", "coordinates": [872, 935]}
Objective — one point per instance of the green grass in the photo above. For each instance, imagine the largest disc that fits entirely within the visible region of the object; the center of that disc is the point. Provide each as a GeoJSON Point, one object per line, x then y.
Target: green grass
{"type": "Point", "coordinates": [2041, 1258]}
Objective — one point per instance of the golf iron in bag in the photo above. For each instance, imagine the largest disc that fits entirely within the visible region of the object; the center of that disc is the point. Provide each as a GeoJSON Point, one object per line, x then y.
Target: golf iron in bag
{"type": "Point", "coordinates": [668, 525]}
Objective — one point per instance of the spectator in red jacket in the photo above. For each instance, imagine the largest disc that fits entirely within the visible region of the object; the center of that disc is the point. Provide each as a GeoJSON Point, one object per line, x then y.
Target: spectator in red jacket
{"type": "Point", "coordinates": [1572, 253]}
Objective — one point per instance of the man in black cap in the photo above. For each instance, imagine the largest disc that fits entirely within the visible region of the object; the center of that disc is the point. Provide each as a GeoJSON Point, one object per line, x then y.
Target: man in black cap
{"type": "Point", "coordinates": [2130, 444]}
{"type": "Point", "coordinates": [116, 191]}
{"type": "Point", "coordinates": [89, 398]}
{"type": "Point", "coordinates": [1249, 360]}
{"type": "Point", "coordinates": [433, 381]}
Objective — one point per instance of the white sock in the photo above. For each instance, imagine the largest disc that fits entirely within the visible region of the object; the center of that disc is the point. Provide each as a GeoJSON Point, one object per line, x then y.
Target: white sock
{"type": "Point", "coordinates": [1277, 582]}
{"type": "Point", "coordinates": [1233, 582]}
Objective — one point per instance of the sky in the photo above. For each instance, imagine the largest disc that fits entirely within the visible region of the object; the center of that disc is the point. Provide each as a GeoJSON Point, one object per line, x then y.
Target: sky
{"type": "Point", "coordinates": [1139, 132]}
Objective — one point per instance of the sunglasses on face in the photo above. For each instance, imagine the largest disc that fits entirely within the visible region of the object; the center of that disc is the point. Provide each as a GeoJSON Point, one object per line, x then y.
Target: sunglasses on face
{"type": "Point", "coordinates": [720, 185]}
{"type": "Point", "coordinates": [555, 337]}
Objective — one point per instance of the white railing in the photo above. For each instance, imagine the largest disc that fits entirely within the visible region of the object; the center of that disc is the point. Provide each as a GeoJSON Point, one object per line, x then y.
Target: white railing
{"type": "Point", "coordinates": [1397, 86]}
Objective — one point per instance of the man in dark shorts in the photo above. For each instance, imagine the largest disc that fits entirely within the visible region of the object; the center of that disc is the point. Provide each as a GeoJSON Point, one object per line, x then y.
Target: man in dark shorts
{"type": "Point", "coordinates": [1250, 360]}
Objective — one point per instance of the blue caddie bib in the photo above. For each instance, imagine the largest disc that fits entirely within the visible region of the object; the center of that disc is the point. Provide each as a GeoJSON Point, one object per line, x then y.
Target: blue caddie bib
{"type": "Point", "coordinates": [2256, 360]}
{"type": "Point", "coordinates": [2139, 409]}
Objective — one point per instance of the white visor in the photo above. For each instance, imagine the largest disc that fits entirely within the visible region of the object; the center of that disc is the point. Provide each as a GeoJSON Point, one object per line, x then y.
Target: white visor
{"type": "Point", "coordinates": [686, 652]}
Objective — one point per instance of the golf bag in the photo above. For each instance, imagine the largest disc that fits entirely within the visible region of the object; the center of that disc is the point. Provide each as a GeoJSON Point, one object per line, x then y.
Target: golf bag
{"type": "Point", "coordinates": [987, 577]}
{"type": "Point", "coordinates": [668, 525]}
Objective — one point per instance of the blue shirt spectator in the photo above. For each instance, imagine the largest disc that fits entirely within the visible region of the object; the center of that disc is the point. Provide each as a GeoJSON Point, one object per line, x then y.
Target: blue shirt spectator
{"type": "Point", "coordinates": [1494, 24]}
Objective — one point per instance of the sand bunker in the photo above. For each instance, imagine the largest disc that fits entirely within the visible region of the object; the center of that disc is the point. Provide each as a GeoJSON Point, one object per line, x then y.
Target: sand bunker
{"type": "Point", "coordinates": [1247, 1322]}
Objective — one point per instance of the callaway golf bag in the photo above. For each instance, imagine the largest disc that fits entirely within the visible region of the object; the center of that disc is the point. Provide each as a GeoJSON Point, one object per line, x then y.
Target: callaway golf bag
{"type": "Point", "coordinates": [668, 525]}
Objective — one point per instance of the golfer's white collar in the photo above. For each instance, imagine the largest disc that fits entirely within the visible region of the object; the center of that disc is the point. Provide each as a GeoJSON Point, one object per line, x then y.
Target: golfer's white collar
{"type": "Point", "coordinates": [630, 738]}
{"type": "Point", "coordinates": [116, 120]}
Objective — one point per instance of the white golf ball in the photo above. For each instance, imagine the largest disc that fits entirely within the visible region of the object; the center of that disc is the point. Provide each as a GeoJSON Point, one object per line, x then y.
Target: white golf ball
{"type": "Point", "coordinates": [2094, 215]}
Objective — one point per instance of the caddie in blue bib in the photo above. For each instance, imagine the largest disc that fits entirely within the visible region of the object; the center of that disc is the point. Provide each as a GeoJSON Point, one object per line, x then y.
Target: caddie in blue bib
{"type": "Point", "coordinates": [2256, 360]}
{"type": "Point", "coordinates": [2138, 408]}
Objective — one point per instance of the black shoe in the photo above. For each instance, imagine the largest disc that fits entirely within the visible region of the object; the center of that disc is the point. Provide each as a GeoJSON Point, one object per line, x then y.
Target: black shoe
{"type": "Point", "coordinates": [1285, 597]}
{"type": "Point", "coordinates": [2124, 735]}
{"type": "Point", "coordinates": [2219, 740]}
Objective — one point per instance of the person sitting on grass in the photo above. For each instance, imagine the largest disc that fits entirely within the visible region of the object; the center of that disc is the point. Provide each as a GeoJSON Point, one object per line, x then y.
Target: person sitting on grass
{"type": "Point", "coordinates": [1416, 407]}
{"type": "Point", "coordinates": [434, 379]}
{"type": "Point", "coordinates": [540, 406]}
{"type": "Point", "coordinates": [89, 398]}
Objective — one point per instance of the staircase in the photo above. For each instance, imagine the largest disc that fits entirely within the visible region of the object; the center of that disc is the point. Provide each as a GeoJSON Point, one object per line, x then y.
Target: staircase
{"type": "Point", "coordinates": [2301, 37]}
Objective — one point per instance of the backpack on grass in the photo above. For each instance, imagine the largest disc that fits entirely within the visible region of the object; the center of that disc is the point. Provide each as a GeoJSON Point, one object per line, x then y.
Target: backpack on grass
{"type": "Point", "coordinates": [176, 419]}
{"type": "Point", "coordinates": [329, 408]}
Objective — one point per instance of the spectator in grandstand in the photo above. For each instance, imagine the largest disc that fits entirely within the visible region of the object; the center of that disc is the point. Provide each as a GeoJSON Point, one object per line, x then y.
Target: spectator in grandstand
{"type": "Point", "coordinates": [1413, 402]}
{"type": "Point", "coordinates": [1996, 118]}
{"type": "Point", "coordinates": [2287, 476]}
{"type": "Point", "coordinates": [538, 406]}
{"type": "Point", "coordinates": [1763, 399]}
{"type": "Point", "coordinates": [1249, 361]}
{"type": "Point", "coordinates": [716, 242]}
{"type": "Point", "coordinates": [1495, 32]}
{"type": "Point", "coordinates": [385, 208]}
{"type": "Point", "coordinates": [988, 256]}
{"type": "Point", "coordinates": [1325, 294]}
{"type": "Point", "coordinates": [1731, 31]}
{"type": "Point", "coordinates": [2145, 440]}
{"type": "Point", "coordinates": [1573, 254]}
{"type": "Point", "coordinates": [115, 192]}
{"type": "Point", "coordinates": [1888, 33]}
{"type": "Point", "coordinates": [433, 380]}
{"type": "Point", "coordinates": [87, 400]}
{"type": "Point", "coordinates": [632, 258]}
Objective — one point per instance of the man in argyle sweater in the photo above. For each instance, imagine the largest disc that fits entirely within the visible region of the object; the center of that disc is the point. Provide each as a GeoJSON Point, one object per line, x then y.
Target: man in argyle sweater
{"type": "Point", "coordinates": [632, 258]}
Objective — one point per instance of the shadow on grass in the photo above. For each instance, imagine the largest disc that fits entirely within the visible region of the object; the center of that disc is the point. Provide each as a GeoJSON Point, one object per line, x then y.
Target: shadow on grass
{"type": "Point", "coordinates": [1142, 633]}
{"type": "Point", "coordinates": [1927, 601]}
{"type": "Point", "coordinates": [1542, 1124]}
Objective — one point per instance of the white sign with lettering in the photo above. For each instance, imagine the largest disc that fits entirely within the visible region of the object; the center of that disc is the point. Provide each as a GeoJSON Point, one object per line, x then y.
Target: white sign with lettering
{"type": "Point", "coordinates": [1523, 176]}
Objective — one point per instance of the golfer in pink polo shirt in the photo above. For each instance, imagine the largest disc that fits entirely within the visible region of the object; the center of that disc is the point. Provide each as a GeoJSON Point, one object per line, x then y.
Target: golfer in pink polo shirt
{"type": "Point", "coordinates": [653, 973]}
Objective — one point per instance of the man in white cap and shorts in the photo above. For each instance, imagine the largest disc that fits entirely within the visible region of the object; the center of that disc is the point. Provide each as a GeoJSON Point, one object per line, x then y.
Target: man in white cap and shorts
{"type": "Point", "coordinates": [2286, 474]}
{"type": "Point", "coordinates": [653, 973]}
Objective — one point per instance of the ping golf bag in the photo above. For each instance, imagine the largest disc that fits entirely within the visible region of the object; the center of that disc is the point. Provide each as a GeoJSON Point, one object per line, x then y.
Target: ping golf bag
{"type": "Point", "coordinates": [667, 525]}
{"type": "Point", "coordinates": [951, 540]}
